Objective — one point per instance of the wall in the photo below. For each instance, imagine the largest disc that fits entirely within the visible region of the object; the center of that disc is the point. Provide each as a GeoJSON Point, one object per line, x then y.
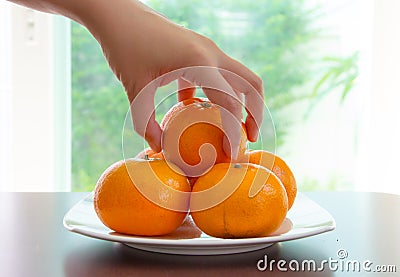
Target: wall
{"type": "Point", "coordinates": [5, 97]}
{"type": "Point", "coordinates": [380, 145]}
{"type": "Point", "coordinates": [32, 100]}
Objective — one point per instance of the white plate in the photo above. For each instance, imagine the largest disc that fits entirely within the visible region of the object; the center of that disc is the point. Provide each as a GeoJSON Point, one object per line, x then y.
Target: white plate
{"type": "Point", "coordinates": [306, 218]}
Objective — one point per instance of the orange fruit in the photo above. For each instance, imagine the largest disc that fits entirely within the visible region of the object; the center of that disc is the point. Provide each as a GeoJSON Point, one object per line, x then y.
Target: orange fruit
{"type": "Point", "coordinates": [278, 166]}
{"type": "Point", "coordinates": [149, 153]}
{"type": "Point", "coordinates": [142, 197]}
{"type": "Point", "coordinates": [238, 201]}
{"type": "Point", "coordinates": [193, 136]}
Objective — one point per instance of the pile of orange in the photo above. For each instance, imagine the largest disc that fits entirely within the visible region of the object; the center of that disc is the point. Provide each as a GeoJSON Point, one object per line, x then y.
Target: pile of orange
{"type": "Point", "coordinates": [152, 193]}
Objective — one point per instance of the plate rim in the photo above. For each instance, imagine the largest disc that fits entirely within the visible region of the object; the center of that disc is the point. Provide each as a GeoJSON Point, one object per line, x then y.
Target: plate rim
{"type": "Point", "coordinates": [196, 242]}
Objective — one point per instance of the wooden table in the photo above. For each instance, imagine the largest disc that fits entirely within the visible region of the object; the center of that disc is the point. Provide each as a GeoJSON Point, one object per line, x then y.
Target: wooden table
{"type": "Point", "coordinates": [35, 243]}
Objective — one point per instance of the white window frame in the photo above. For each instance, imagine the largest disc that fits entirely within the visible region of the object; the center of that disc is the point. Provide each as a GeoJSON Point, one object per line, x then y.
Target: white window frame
{"type": "Point", "coordinates": [35, 114]}
{"type": "Point", "coordinates": [62, 103]}
{"type": "Point", "coordinates": [379, 147]}
{"type": "Point", "coordinates": [5, 97]}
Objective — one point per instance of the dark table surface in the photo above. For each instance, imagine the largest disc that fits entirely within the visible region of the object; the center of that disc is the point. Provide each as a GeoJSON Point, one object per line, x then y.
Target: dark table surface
{"type": "Point", "coordinates": [35, 243]}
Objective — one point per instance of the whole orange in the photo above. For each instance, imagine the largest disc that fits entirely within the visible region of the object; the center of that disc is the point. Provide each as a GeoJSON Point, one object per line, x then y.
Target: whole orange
{"type": "Point", "coordinates": [279, 167]}
{"type": "Point", "coordinates": [193, 136]}
{"type": "Point", "coordinates": [238, 201]}
{"type": "Point", "coordinates": [142, 197]}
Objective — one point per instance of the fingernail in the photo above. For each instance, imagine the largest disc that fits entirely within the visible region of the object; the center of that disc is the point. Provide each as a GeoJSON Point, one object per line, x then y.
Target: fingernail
{"type": "Point", "coordinates": [251, 129]}
{"type": "Point", "coordinates": [254, 136]}
{"type": "Point", "coordinates": [154, 144]}
{"type": "Point", "coordinates": [156, 148]}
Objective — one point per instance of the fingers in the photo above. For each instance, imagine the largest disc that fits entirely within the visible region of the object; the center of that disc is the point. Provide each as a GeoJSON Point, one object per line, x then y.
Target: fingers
{"type": "Point", "coordinates": [219, 91]}
{"type": "Point", "coordinates": [153, 134]}
{"type": "Point", "coordinates": [186, 89]}
{"type": "Point", "coordinates": [231, 115]}
{"type": "Point", "coordinates": [143, 117]}
{"type": "Point", "coordinates": [143, 110]}
{"type": "Point", "coordinates": [244, 80]}
{"type": "Point", "coordinates": [223, 87]}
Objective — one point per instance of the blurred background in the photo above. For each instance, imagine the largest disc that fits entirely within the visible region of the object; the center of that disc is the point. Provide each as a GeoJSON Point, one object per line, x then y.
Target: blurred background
{"type": "Point", "coordinates": [330, 70]}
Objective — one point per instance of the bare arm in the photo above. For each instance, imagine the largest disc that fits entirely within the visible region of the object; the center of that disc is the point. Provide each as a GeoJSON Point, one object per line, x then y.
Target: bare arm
{"type": "Point", "coordinates": [141, 45]}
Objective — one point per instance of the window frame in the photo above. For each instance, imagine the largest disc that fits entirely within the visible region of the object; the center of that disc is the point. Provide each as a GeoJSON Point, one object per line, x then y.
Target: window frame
{"type": "Point", "coordinates": [62, 103]}
{"type": "Point", "coordinates": [35, 104]}
{"type": "Point", "coordinates": [5, 97]}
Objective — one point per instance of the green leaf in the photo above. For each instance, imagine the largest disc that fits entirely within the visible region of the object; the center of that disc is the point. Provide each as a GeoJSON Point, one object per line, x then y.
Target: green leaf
{"type": "Point", "coordinates": [320, 83]}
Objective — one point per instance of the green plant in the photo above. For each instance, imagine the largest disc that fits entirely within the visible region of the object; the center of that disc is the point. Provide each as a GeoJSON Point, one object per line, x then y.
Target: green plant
{"type": "Point", "coordinates": [273, 38]}
{"type": "Point", "coordinates": [339, 75]}
{"type": "Point", "coordinates": [98, 111]}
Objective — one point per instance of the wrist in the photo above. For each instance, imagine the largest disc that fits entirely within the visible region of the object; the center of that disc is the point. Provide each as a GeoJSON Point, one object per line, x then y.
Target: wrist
{"type": "Point", "coordinates": [100, 16]}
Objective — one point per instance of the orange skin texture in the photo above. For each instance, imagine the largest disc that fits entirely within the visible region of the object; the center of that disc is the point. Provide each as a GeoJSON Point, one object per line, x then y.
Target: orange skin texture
{"type": "Point", "coordinates": [121, 206]}
{"type": "Point", "coordinates": [192, 124]}
{"type": "Point", "coordinates": [279, 167]}
{"type": "Point", "coordinates": [256, 208]}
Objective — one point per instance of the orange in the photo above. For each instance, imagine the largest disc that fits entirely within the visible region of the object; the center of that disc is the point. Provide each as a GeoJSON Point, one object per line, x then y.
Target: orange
{"type": "Point", "coordinates": [279, 167]}
{"type": "Point", "coordinates": [120, 203]}
{"type": "Point", "coordinates": [193, 136]}
{"type": "Point", "coordinates": [238, 201]}
{"type": "Point", "coordinates": [149, 153]}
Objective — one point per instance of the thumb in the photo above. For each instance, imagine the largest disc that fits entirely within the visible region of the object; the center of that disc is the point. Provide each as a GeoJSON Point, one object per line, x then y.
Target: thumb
{"type": "Point", "coordinates": [143, 116]}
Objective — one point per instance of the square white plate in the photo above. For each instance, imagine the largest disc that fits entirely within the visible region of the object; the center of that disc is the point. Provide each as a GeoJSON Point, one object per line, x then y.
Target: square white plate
{"type": "Point", "coordinates": [306, 218]}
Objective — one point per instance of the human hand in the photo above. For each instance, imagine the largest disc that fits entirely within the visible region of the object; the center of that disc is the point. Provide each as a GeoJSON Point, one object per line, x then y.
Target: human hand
{"type": "Point", "coordinates": [142, 46]}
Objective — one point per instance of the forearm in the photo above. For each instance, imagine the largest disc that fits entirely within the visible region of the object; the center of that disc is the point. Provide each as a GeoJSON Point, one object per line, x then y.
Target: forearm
{"type": "Point", "coordinates": [62, 7]}
{"type": "Point", "coordinates": [141, 46]}
{"type": "Point", "coordinates": [86, 12]}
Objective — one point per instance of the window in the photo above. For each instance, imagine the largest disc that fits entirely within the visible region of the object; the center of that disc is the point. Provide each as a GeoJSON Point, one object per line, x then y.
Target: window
{"type": "Point", "coordinates": [330, 70]}
{"type": "Point", "coordinates": [290, 44]}
{"type": "Point", "coordinates": [34, 97]}
{"type": "Point", "coordinates": [98, 109]}
{"type": "Point", "coordinates": [5, 98]}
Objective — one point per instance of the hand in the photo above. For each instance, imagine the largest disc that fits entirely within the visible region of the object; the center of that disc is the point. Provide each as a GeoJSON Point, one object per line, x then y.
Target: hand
{"type": "Point", "coordinates": [142, 45]}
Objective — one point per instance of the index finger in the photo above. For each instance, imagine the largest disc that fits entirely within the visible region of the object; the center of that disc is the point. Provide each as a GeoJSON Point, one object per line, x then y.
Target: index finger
{"type": "Point", "coordinates": [219, 91]}
{"type": "Point", "coordinates": [245, 81]}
